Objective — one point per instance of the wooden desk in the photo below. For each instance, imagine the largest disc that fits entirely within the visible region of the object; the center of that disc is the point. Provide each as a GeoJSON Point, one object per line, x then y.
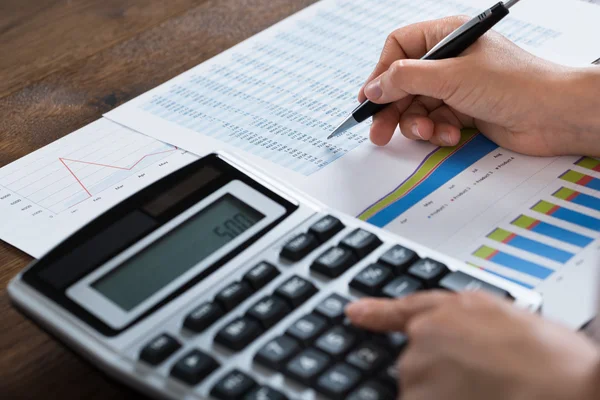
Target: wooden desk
{"type": "Point", "coordinates": [62, 65]}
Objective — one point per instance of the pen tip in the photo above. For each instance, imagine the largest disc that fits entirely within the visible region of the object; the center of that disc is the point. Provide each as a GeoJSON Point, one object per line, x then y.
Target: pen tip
{"type": "Point", "coordinates": [344, 126]}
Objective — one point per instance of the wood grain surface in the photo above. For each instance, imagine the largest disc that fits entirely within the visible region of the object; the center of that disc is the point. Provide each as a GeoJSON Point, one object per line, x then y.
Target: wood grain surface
{"type": "Point", "coordinates": [62, 64]}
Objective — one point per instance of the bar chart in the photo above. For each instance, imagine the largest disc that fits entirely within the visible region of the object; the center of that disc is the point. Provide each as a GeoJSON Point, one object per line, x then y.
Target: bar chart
{"type": "Point", "coordinates": [549, 231]}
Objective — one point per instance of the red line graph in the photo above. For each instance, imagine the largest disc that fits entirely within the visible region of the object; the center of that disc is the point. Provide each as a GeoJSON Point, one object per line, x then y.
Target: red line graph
{"type": "Point", "coordinates": [62, 160]}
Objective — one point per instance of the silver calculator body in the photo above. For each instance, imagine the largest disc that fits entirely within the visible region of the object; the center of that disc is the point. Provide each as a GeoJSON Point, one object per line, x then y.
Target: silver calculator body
{"type": "Point", "coordinates": [220, 282]}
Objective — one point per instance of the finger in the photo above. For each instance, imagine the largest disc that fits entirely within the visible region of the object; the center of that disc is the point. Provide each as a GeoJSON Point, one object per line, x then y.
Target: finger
{"type": "Point", "coordinates": [384, 125]}
{"type": "Point", "coordinates": [415, 123]}
{"type": "Point", "coordinates": [438, 79]}
{"type": "Point", "coordinates": [393, 315]}
{"type": "Point", "coordinates": [412, 41]}
{"type": "Point", "coordinates": [445, 135]}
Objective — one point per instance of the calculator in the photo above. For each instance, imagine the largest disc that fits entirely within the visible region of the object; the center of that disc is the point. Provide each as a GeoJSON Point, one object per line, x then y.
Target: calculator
{"type": "Point", "coordinates": [219, 282]}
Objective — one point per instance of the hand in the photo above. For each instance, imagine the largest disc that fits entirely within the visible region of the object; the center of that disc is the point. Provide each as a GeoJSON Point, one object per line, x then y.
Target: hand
{"type": "Point", "coordinates": [521, 102]}
{"type": "Point", "coordinates": [471, 346]}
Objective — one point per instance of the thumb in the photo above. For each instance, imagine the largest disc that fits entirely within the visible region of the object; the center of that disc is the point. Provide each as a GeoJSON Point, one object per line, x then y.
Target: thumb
{"type": "Point", "coordinates": [386, 315]}
{"type": "Point", "coordinates": [439, 79]}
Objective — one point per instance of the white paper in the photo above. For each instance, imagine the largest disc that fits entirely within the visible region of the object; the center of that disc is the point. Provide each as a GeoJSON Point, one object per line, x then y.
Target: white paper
{"type": "Point", "coordinates": [48, 194]}
{"type": "Point", "coordinates": [274, 99]}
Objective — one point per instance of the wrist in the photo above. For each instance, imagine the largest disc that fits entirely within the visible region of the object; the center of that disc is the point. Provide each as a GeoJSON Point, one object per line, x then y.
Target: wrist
{"type": "Point", "coordinates": [579, 95]}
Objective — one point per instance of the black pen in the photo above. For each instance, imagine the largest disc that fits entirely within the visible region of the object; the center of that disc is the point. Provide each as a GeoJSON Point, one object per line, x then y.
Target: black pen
{"type": "Point", "coordinates": [452, 46]}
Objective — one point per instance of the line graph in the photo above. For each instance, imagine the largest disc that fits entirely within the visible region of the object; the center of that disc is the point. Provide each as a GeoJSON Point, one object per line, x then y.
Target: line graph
{"type": "Point", "coordinates": [63, 161]}
{"type": "Point", "coordinates": [85, 165]}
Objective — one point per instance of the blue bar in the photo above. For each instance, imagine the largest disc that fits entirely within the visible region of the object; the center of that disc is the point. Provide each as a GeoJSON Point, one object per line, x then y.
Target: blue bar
{"type": "Point", "coordinates": [577, 218]}
{"type": "Point", "coordinates": [541, 249]}
{"type": "Point", "coordinates": [587, 201]}
{"type": "Point", "coordinates": [476, 149]}
{"type": "Point", "coordinates": [564, 235]}
{"type": "Point", "coordinates": [524, 266]}
{"type": "Point", "coordinates": [593, 184]}
{"type": "Point", "coordinates": [528, 286]}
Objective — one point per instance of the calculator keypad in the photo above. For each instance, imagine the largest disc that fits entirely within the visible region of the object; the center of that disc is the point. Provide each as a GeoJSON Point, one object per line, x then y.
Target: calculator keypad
{"type": "Point", "coordinates": [316, 348]}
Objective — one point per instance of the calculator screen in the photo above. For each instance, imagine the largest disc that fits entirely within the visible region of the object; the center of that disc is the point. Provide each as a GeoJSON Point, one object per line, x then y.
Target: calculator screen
{"type": "Point", "coordinates": [165, 260]}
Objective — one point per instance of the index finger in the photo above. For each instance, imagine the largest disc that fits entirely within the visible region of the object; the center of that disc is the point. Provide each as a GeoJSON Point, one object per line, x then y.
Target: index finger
{"type": "Point", "coordinates": [385, 315]}
{"type": "Point", "coordinates": [412, 41]}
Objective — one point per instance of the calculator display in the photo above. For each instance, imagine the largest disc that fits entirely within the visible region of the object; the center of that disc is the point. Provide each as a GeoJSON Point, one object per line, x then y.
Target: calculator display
{"type": "Point", "coordinates": [138, 278]}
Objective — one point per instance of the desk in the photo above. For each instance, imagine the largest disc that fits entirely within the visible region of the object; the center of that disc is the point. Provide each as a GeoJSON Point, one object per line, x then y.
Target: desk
{"type": "Point", "coordinates": [62, 65]}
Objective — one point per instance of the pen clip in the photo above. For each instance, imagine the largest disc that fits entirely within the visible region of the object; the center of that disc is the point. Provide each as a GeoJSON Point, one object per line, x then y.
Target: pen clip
{"type": "Point", "coordinates": [461, 30]}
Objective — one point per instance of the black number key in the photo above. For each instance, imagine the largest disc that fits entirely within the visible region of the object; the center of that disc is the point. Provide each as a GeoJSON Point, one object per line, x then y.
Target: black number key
{"type": "Point", "coordinates": [265, 393]}
{"type": "Point", "coordinates": [203, 316]}
{"type": "Point", "coordinates": [389, 376]}
{"type": "Point", "coordinates": [239, 333]}
{"type": "Point", "coordinates": [269, 310]}
{"type": "Point", "coordinates": [307, 328]}
{"type": "Point", "coordinates": [336, 341]}
{"type": "Point", "coordinates": [395, 342]}
{"type": "Point", "coordinates": [159, 349]}
{"type": "Point", "coordinates": [401, 286]}
{"type": "Point", "coordinates": [399, 258]}
{"type": "Point", "coordinates": [299, 247]}
{"type": "Point", "coordinates": [233, 386]}
{"type": "Point", "coordinates": [372, 390]}
{"type": "Point", "coordinates": [338, 381]}
{"type": "Point", "coordinates": [296, 290]}
{"type": "Point", "coordinates": [260, 275]}
{"type": "Point", "coordinates": [333, 307]}
{"type": "Point", "coordinates": [372, 279]}
{"type": "Point", "coordinates": [326, 228]}
{"type": "Point", "coordinates": [306, 366]}
{"type": "Point", "coordinates": [233, 295]}
{"type": "Point", "coordinates": [459, 281]}
{"type": "Point", "coordinates": [361, 242]}
{"type": "Point", "coordinates": [194, 367]}
{"type": "Point", "coordinates": [428, 271]}
{"type": "Point", "coordinates": [368, 357]}
{"type": "Point", "coordinates": [334, 262]}
{"type": "Point", "coordinates": [277, 352]}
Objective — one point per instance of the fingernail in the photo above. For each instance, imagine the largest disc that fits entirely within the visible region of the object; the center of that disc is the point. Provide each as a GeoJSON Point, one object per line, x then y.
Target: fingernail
{"type": "Point", "coordinates": [415, 130]}
{"type": "Point", "coordinates": [373, 90]}
{"type": "Point", "coordinates": [357, 310]}
{"type": "Point", "coordinates": [445, 138]}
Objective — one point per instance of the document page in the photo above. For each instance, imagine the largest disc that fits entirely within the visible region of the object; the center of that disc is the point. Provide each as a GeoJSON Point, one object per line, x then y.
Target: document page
{"type": "Point", "coordinates": [48, 194]}
{"type": "Point", "coordinates": [274, 99]}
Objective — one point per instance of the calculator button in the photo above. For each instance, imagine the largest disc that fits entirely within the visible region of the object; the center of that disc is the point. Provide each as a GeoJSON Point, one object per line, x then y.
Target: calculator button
{"type": "Point", "coordinates": [368, 357]}
{"type": "Point", "coordinates": [299, 247]}
{"type": "Point", "coordinates": [239, 333]}
{"type": "Point", "coordinates": [194, 367]}
{"type": "Point", "coordinates": [306, 366]}
{"type": "Point", "coordinates": [372, 279]}
{"type": "Point", "coordinates": [361, 242]}
{"type": "Point", "coordinates": [269, 311]}
{"type": "Point", "coordinates": [296, 290]}
{"type": "Point", "coordinates": [401, 286]}
{"type": "Point", "coordinates": [338, 381]}
{"type": "Point", "coordinates": [326, 228]}
{"type": "Point", "coordinates": [277, 352]}
{"type": "Point", "coordinates": [334, 262]}
{"type": "Point", "coordinates": [336, 341]}
{"type": "Point", "coordinates": [459, 281]}
{"type": "Point", "coordinates": [233, 386]}
{"type": "Point", "coordinates": [428, 271]}
{"type": "Point", "coordinates": [389, 376]}
{"type": "Point", "coordinates": [307, 328]}
{"type": "Point", "coordinates": [233, 295]}
{"type": "Point", "coordinates": [260, 275]}
{"type": "Point", "coordinates": [399, 258]}
{"type": "Point", "coordinates": [159, 349]}
{"type": "Point", "coordinates": [372, 390]}
{"type": "Point", "coordinates": [333, 307]}
{"type": "Point", "coordinates": [265, 393]}
{"type": "Point", "coordinates": [203, 316]}
{"type": "Point", "coordinates": [395, 342]}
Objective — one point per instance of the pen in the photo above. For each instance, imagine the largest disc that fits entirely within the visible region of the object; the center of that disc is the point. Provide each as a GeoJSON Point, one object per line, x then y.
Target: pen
{"type": "Point", "coordinates": [452, 46]}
